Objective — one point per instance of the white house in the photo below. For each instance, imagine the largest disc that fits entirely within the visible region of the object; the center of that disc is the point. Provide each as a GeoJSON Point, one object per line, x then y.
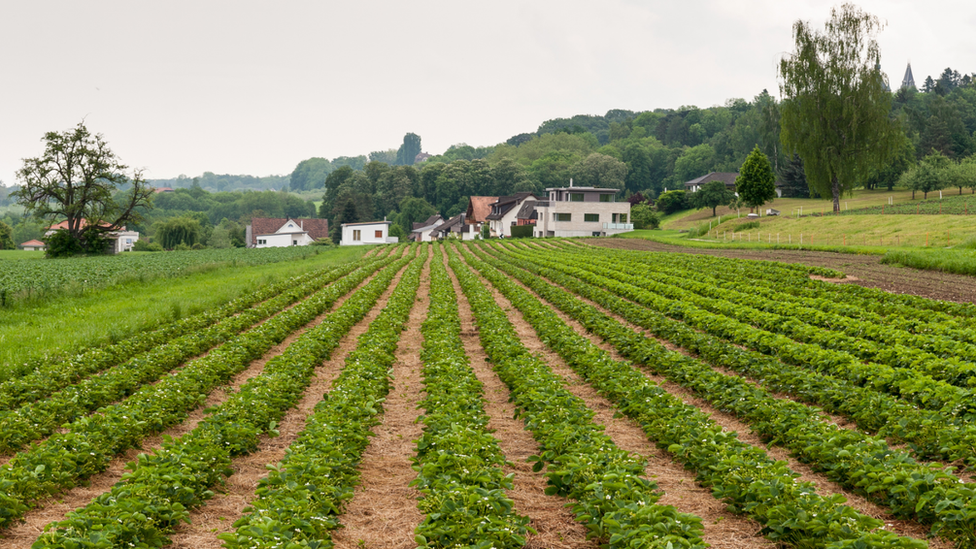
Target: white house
{"type": "Point", "coordinates": [371, 232]}
{"type": "Point", "coordinates": [457, 227]}
{"type": "Point", "coordinates": [276, 232]}
{"type": "Point", "coordinates": [122, 239]}
{"type": "Point", "coordinates": [33, 246]}
{"type": "Point", "coordinates": [504, 213]}
{"type": "Point", "coordinates": [423, 231]}
{"type": "Point", "coordinates": [581, 211]}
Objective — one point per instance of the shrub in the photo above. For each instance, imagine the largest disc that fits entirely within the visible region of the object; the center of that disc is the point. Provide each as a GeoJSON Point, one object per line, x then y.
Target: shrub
{"type": "Point", "coordinates": [672, 201]}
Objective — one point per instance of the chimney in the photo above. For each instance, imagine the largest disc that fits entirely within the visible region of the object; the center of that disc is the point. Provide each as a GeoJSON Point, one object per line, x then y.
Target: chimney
{"type": "Point", "coordinates": [570, 182]}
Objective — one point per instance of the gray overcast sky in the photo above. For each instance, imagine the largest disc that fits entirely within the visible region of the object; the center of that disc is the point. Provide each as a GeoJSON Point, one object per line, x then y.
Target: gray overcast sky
{"type": "Point", "coordinates": [254, 87]}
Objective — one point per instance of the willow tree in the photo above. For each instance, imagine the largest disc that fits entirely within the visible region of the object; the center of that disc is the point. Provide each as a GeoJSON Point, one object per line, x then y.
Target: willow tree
{"type": "Point", "coordinates": [836, 105]}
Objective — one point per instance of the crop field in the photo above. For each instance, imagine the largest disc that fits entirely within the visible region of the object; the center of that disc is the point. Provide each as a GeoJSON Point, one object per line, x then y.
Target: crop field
{"type": "Point", "coordinates": [30, 279]}
{"type": "Point", "coordinates": [540, 394]}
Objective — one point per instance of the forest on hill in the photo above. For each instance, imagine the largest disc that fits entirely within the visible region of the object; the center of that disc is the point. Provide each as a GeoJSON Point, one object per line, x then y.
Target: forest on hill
{"type": "Point", "coordinates": [638, 152]}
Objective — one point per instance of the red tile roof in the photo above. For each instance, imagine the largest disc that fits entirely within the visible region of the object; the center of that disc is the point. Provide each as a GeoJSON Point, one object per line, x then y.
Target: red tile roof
{"type": "Point", "coordinates": [34, 242]}
{"type": "Point", "coordinates": [479, 207]}
{"type": "Point", "coordinates": [64, 225]}
{"type": "Point", "coordinates": [316, 228]}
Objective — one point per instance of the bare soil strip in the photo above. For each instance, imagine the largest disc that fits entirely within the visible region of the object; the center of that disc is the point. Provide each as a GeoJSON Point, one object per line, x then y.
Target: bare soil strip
{"type": "Point", "coordinates": [383, 512]}
{"type": "Point", "coordinates": [554, 523]}
{"type": "Point", "coordinates": [56, 509]}
{"type": "Point", "coordinates": [217, 516]}
{"type": "Point", "coordinates": [729, 422]}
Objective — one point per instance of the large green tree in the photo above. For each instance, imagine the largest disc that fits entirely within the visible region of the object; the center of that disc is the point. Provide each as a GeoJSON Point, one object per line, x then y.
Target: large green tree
{"type": "Point", "coordinates": [79, 179]}
{"type": "Point", "coordinates": [6, 237]}
{"type": "Point", "coordinates": [712, 195]}
{"type": "Point", "coordinates": [756, 184]}
{"type": "Point", "coordinates": [835, 112]}
{"type": "Point", "coordinates": [409, 150]}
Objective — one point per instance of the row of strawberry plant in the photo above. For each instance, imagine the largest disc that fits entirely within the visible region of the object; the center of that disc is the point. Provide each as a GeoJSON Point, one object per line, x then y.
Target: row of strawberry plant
{"type": "Point", "coordinates": [39, 419]}
{"type": "Point", "coordinates": [871, 298]}
{"type": "Point", "coordinates": [894, 347]}
{"type": "Point", "coordinates": [64, 459]}
{"type": "Point", "coordinates": [930, 435]}
{"type": "Point", "coordinates": [53, 373]}
{"type": "Point", "coordinates": [143, 508]}
{"type": "Point", "coordinates": [919, 389]}
{"type": "Point", "coordinates": [298, 503]}
{"type": "Point", "coordinates": [745, 476]}
{"type": "Point", "coordinates": [731, 276]}
{"type": "Point", "coordinates": [862, 463]}
{"type": "Point", "coordinates": [458, 462]}
{"type": "Point", "coordinates": [613, 498]}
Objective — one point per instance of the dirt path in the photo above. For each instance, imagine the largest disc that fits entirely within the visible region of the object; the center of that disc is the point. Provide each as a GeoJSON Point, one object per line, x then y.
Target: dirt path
{"type": "Point", "coordinates": [383, 512]}
{"type": "Point", "coordinates": [868, 269]}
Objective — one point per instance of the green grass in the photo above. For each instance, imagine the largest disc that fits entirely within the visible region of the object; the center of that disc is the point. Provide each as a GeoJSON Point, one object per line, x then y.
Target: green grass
{"type": "Point", "coordinates": [958, 261]}
{"type": "Point", "coordinates": [20, 254]}
{"type": "Point", "coordinates": [65, 324]}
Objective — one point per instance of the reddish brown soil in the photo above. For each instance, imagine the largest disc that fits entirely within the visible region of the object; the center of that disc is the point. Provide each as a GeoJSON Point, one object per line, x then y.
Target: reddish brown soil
{"type": "Point", "coordinates": [866, 270]}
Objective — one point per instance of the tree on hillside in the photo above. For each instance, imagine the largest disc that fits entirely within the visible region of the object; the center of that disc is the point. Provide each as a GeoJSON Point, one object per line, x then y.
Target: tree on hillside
{"type": "Point", "coordinates": [755, 183]}
{"type": "Point", "coordinates": [78, 179]}
{"type": "Point", "coordinates": [310, 174]}
{"type": "Point", "coordinates": [178, 230]}
{"type": "Point", "coordinates": [794, 178]}
{"type": "Point", "coordinates": [6, 237]}
{"type": "Point", "coordinates": [835, 112]}
{"type": "Point", "coordinates": [712, 195]}
{"type": "Point", "coordinates": [409, 150]}
{"type": "Point", "coordinates": [600, 170]}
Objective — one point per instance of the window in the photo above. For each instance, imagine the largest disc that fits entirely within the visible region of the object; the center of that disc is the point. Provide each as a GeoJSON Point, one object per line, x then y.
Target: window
{"type": "Point", "coordinates": [563, 217]}
{"type": "Point", "coordinates": [378, 234]}
{"type": "Point", "coordinates": [606, 198]}
{"type": "Point", "coordinates": [262, 241]}
{"type": "Point", "coordinates": [294, 243]}
{"type": "Point", "coordinates": [591, 218]}
{"type": "Point", "coordinates": [575, 197]}
{"type": "Point", "coordinates": [356, 235]}
{"type": "Point", "coordinates": [623, 218]}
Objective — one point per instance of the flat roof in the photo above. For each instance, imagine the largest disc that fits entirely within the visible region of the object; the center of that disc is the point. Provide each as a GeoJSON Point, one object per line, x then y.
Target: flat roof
{"type": "Point", "coordinates": [598, 189]}
{"type": "Point", "coordinates": [368, 223]}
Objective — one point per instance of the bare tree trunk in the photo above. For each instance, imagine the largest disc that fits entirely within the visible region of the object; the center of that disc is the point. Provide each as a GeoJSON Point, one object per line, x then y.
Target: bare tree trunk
{"type": "Point", "coordinates": [835, 192]}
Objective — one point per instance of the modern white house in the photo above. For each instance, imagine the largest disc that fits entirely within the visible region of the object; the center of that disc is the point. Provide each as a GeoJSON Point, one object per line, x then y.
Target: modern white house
{"type": "Point", "coordinates": [581, 211]}
{"type": "Point", "coordinates": [122, 239]}
{"type": "Point", "coordinates": [277, 232]}
{"type": "Point", "coordinates": [370, 232]}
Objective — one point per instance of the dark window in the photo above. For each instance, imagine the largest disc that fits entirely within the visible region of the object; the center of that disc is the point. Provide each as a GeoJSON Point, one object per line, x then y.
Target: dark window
{"type": "Point", "coordinates": [591, 218]}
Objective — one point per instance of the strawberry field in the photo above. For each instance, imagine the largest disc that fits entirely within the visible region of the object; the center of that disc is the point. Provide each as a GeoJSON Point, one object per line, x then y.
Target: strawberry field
{"type": "Point", "coordinates": [527, 394]}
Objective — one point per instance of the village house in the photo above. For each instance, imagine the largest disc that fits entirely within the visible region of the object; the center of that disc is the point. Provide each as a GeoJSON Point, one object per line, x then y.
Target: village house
{"type": "Point", "coordinates": [370, 232]}
{"type": "Point", "coordinates": [122, 239]}
{"type": "Point", "coordinates": [276, 232]}
{"type": "Point", "coordinates": [33, 246]}
{"type": "Point", "coordinates": [504, 213]}
{"type": "Point", "coordinates": [422, 231]}
{"type": "Point", "coordinates": [580, 211]}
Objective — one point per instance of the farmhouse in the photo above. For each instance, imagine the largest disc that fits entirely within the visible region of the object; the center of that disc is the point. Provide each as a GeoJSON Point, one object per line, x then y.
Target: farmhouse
{"type": "Point", "coordinates": [580, 211]}
{"type": "Point", "coordinates": [457, 227]}
{"type": "Point", "coordinates": [276, 232]}
{"type": "Point", "coordinates": [122, 239]}
{"type": "Point", "coordinates": [33, 246]}
{"type": "Point", "coordinates": [422, 231]}
{"type": "Point", "coordinates": [504, 213]}
{"type": "Point", "coordinates": [370, 232]}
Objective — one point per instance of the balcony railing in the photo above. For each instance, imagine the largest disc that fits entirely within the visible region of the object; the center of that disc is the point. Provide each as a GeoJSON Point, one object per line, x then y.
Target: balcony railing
{"type": "Point", "coordinates": [619, 226]}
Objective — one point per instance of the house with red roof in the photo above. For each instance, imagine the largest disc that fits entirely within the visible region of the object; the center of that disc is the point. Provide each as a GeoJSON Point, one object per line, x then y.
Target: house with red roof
{"type": "Point", "coordinates": [33, 246]}
{"type": "Point", "coordinates": [122, 239]}
{"type": "Point", "coordinates": [277, 232]}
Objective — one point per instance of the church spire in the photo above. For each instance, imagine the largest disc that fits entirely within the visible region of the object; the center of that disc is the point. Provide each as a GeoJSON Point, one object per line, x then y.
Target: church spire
{"type": "Point", "coordinates": [908, 81]}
